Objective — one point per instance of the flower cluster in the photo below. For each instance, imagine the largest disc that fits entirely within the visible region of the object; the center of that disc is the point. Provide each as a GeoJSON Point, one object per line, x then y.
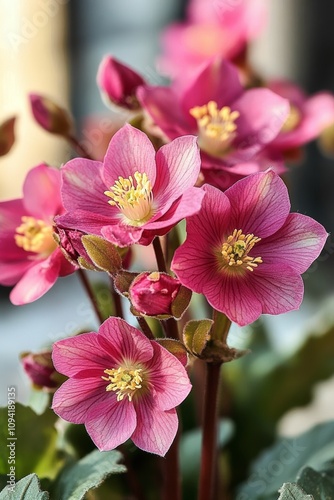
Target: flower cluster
{"type": "Point", "coordinates": [208, 149]}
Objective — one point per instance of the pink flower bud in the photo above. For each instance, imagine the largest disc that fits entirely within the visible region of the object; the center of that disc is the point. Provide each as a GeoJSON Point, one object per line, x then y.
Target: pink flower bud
{"type": "Point", "coordinates": [7, 136]}
{"type": "Point", "coordinates": [118, 83]}
{"type": "Point", "coordinates": [153, 294]}
{"type": "Point", "coordinates": [71, 245]}
{"type": "Point", "coordinates": [50, 116]}
{"type": "Point", "coordinates": [39, 368]}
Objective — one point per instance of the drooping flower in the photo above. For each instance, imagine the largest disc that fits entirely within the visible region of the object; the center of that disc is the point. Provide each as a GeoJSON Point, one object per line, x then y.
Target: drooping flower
{"type": "Point", "coordinates": [29, 256]}
{"type": "Point", "coordinates": [245, 252]}
{"type": "Point", "coordinates": [122, 386]}
{"type": "Point", "coordinates": [136, 193]}
{"type": "Point", "coordinates": [212, 28]}
{"type": "Point", "coordinates": [233, 125]}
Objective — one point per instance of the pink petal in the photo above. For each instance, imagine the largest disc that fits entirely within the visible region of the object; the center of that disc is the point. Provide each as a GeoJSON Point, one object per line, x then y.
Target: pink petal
{"type": "Point", "coordinates": [76, 396]}
{"type": "Point", "coordinates": [122, 235]}
{"type": "Point", "coordinates": [41, 191]}
{"type": "Point", "coordinates": [156, 429]}
{"type": "Point", "coordinates": [88, 222]}
{"type": "Point", "coordinates": [127, 340]}
{"type": "Point", "coordinates": [130, 150]}
{"type": "Point", "coordinates": [111, 422]}
{"type": "Point", "coordinates": [217, 81]}
{"type": "Point", "coordinates": [262, 114]}
{"type": "Point", "coordinates": [36, 281]}
{"type": "Point", "coordinates": [168, 377]}
{"type": "Point", "coordinates": [83, 352]}
{"type": "Point", "coordinates": [259, 203]}
{"type": "Point", "coordinates": [297, 244]}
{"type": "Point", "coordinates": [12, 272]}
{"type": "Point", "coordinates": [83, 187]}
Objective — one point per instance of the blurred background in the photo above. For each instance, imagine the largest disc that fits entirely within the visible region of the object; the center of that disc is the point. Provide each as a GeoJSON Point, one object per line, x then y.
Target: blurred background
{"type": "Point", "coordinates": [54, 47]}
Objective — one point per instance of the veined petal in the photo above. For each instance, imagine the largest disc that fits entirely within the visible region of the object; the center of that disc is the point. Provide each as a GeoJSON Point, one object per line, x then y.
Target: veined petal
{"type": "Point", "coordinates": [41, 191]}
{"type": "Point", "coordinates": [259, 203]}
{"type": "Point", "coordinates": [297, 244]}
{"type": "Point", "coordinates": [155, 429]}
{"type": "Point", "coordinates": [122, 235]}
{"type": "Point", "coordinates": [88, 222]}
{"type": "Point", "coordinates": [130, 150]}
{"type": "Point", "coordinates": [76, 396]}
{"type": "Point", "coordinates": [111, 422]}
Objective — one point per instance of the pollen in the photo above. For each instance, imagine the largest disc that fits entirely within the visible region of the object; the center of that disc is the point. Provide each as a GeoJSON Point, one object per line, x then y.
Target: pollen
{"type": "Point", "coordinates": [292, 120]}
{"type": "Point", "coordinates": [236, 249]}
{"type": "Point", "coordinates": [124, 381]}
{"type": "Point", "coordinates": [217, 127]}
{"type": "Point", "coordinates": [134, 198]}
{"type": "Point", "coordinates": [35, 235]}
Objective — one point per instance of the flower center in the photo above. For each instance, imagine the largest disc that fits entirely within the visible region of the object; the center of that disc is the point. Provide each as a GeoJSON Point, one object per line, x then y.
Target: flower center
{"type": "Point", "coordinates": [124, 381]}
{"type": "Point", "coordinates": [34, 235]}
{"type": "Point", "coordinates": [133, 197]}
{"type": "Point", "coordinates": [216, 127]}
{"type": "Point", "coordinates": [236, 248]}
{"type": "Point", "coordinates": [292, 120]}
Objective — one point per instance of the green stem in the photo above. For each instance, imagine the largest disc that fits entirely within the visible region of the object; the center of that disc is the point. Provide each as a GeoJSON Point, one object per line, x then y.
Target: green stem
{"type": "Point", "coordinates": [145, 328]}
{"type": "Point", "coordinates": [209, 437]}
{"type": "Point", "coordinates": [90, 293]}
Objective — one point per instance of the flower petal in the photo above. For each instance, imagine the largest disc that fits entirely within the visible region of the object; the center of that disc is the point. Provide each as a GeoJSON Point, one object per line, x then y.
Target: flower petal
{"type": "Point", "coordinates": [111, 422]}
{"type": "Point", "coordinates": [156, 429]}
{"type": "Point", "coordinates": [122, 235]}
{"type": "Point", "coordinates": [76, 396]}
{"type": "Point", "coordinates": [41, 191]}
{"type": "Point", "coordinates": [297, 244]}
{"type": "Point", "coordinates": [130, 150]}
{"type": "Point", "coordinates": [259, 203]}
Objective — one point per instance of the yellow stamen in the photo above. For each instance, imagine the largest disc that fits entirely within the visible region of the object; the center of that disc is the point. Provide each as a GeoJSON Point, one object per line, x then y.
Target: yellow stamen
{"type": "Point", "coordinates": [133, 197]}
{"type": "Point", "coordinates": [236, 249]}
{"type": "Point", "coordinates": [35, 235]}
{"type": "Point", "coordinates": [124, 381]}
{"type": "Point", "coordinates": [216, 127]}
{"type": "Point", "coordinates": [292, 120]}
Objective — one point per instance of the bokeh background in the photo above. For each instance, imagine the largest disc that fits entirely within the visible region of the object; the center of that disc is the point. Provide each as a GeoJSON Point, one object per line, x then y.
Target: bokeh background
{"type": "Point", "coordinates": [54, 47]}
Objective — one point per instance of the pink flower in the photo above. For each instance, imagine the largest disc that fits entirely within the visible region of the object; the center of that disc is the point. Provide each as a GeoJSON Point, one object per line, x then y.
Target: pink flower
{"type": "Point", "coordinates": [136, 193]}
{"type": "Point", "coordinates": [308, 116]}
{"type": "Point", "coordinates": [213, 28]}
{"type": "Point", "coordinates": [50, 116]}
{"type": "Point", "coordinates": [121, 386]}
{"type": "Point", "coordinates": [233, 125]}
{"type": "Point", "coordinates": [118, 83]}
{"type": "Point", "coordinates": [39, 368]}
{"type": "Point", "coordinates": [245, 252]}
{"type": "Point", "coordinates": [29, 256]}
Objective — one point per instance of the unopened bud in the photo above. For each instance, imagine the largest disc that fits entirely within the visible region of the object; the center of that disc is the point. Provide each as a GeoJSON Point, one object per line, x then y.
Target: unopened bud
{"type": "Point", "coordinates": [154, 294]}
{"type": "Point", "coordinates": [7, 136]}
{"type": "Point", "coordinates": [50, 116]}
{"type": "Point", "coordinates": [69, 241]}
{"type": "Point", "coordinates": [39, 368]}
{"type": "Point", "coordinates": [118, 83]}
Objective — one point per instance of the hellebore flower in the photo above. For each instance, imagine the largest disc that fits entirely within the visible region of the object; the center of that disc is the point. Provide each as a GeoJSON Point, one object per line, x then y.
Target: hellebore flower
{"type": "Point", "coordinates": [39, 368]}
{"type": "Point", "coordinates": [233, 125]}
{"type": "Point", "coordinates": [121, 386]}
{"type": "Point", "coordinates": [29, 256]}
{"type": "Point", "coordinates": [212, 28]}
{"type": "Point", "coordinates": [50, 116]}
{"type": "Point", "coordinates": [244, 251]}
{"type": "Point", "coordinates": [136, 193]}
{"type": "Point", "coordinates": [118, 83]}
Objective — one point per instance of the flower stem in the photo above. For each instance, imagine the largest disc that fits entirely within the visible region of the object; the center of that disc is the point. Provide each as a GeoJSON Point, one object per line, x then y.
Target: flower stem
{"type": "Point", "coordinates": [171, 478]}
{"type": "Point", "coordinates": [159, 255]}
{"type": "Point", "coordinates": [145, 327]}
{"type": "Point", "coordinates": [78, 147]}
{"type": "Point", "coordinates": [209, 437]}
{"type": "Point", "coordinates": [117, 301]}
{"type": "Point", "coordinates": [90, 293]}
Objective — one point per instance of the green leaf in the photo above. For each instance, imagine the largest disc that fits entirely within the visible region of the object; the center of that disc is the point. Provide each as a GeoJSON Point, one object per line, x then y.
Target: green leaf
{"type": "Point", "coordinates": [28, 488]}
{"type": "Point", "coordinates": [39, 401]}
{"type": "Point", "coordinates": [281, 463]}
{"type": "Point", "coordinates": [35, 445]}
{"type": "Point", "coordinates": [318, 484]}
{"type": "Point", "coordinates": [89, 472]}
{"type": "Point", "coordinates": [190, 454]}
{"type": "Point", "coordinates": [196, 335]}
{"type": "Point", "coordinates": [291, 491]}
{"type": "Point", "coordinates": [102, 253]}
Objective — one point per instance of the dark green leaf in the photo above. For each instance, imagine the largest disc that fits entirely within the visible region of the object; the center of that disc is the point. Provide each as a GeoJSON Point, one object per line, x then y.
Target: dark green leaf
{"type": "Point", "coordinates": [28, 488]}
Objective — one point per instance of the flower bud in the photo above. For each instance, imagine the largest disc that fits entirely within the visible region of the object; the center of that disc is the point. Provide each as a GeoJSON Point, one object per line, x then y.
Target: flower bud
{"type": "Point", "coordinates": [118, 83]}
{"type": "Point", "coordinates": [7, 136]}
{"type": "Point", "coordinates": [50, 116]}
{"type": "Point", "coordinates": [71, 245]}
{"type": "Point", "coordinates": [155, 294]}
{"type": "Point", "coordinates": [39, 368]}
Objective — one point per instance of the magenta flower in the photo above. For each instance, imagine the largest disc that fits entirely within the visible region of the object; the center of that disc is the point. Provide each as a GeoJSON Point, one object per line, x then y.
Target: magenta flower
{"type": "Point", "coordinates": [213, 28]}
{"type": "Point", "coordinates": [121, 386]}
{"type": "Point", "coordinates": [233, 125]}
{"type": "Point", "coordinates": [308, 116]}
{"type": "Point", "coordinates": [245, 252]}
{"type": "Point", "coordinates": [29, 256]}
{"type": "Point", "coordinates": [118, 83]}
{"type": "Point", "coordinates": [136, 193]}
